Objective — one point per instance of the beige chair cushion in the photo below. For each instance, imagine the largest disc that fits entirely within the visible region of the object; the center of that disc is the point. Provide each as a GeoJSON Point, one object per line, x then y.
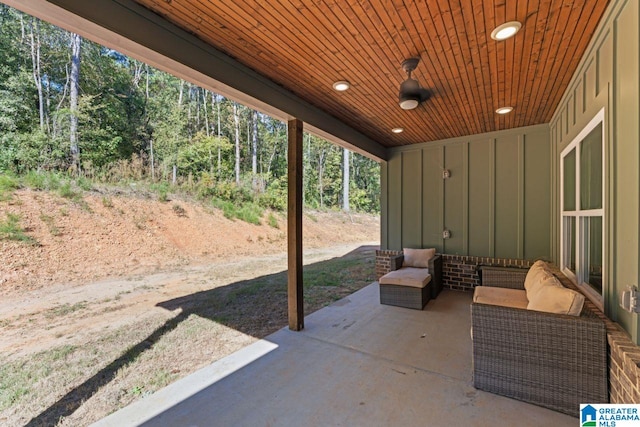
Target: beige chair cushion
{"type": "Point", "coordinates": [516, 298]}
{"type": "Point", "coordinates": [418, 258]}
{"type": "Point", "coordinates": [407, 276]}
{"type": "Point", "coordinates": [551, 297]}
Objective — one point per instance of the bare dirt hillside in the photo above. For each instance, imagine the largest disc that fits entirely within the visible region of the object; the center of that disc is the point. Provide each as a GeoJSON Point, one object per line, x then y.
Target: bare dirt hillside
{"type": "Point", "coordinates": [104, 235]}
{"type": "Point", "coordinates": [99, 305]}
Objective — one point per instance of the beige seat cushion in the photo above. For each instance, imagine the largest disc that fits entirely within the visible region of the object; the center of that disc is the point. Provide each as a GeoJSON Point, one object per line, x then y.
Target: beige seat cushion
{"type": "Point", "coordinates": [551, 297]}
{"type": "Point", "coordinates": [418, 258]}
{"type": "Point", "coordinates": [407, 276]}
{"type": "Point", "coordinates": [516, 298]}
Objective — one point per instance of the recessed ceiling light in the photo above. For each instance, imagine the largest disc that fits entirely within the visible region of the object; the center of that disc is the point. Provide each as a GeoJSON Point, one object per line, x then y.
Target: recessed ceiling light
{"type": "Point", "coordinates": [397, 130]}
{"type": "Point", "coordinates": [504, 110]}
{"type": "Point", "coordinates": [506, 30]}
{"type": "Point", "coordinates": [341, 86]}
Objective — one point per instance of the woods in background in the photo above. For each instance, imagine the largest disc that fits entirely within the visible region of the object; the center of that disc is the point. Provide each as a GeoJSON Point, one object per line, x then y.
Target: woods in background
{"type": "Point", "coordinates": [71, 106]}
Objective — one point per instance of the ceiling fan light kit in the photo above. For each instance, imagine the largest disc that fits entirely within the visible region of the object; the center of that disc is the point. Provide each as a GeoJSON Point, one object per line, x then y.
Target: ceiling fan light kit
{"type": "Point", "coordinates": [411, 94]}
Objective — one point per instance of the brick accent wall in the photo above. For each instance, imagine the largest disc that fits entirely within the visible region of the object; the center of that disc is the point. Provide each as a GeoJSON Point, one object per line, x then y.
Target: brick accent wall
{"type": "Point", "coordinates": [383, 261]}
{"type": "Point", "coordinates": [461, 272]}
{"type": "Point", "coordinates": [624, 362]}
{"type": "Point", "coordinates": [624, 356]}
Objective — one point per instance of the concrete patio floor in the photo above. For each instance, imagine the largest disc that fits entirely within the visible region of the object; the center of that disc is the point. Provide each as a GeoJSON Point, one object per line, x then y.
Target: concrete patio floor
{"type": "Point", "coordinates": [357, 363]}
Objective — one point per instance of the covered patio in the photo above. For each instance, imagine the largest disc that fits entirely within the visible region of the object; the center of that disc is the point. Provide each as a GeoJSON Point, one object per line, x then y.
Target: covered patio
{"type": "Point", "coordinates": [356, 363]}
{"type": "Point", "coordinates": [457, 175]}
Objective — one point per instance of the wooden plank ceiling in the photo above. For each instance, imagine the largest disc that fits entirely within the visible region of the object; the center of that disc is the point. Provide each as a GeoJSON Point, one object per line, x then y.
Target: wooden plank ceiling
{"type": "Point", "coordinates": [307, 45]}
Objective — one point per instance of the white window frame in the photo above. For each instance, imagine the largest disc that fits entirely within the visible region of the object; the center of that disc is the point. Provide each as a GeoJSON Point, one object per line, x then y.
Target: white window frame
{"type": "Point", "coordinates": [581, 252]}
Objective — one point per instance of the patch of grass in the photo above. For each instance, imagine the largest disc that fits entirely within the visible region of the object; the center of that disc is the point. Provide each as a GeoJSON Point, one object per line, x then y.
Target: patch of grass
{"type": "Point", "coordinates": [10, 229]}
{"type": "Point", "coordinates": [162, 190]}
{"type": "Point", "coordinates": [20, 379]}
{"type": "Point", "coordinates": [42, 180]}
{"type": "Point", "coordinates": [67, 191]}
{"type": "Point", "coordinates": [179, 210]}
{"type": "Point", "coordinates": [84, 183]}
{"type": "Point", "coordinates": [65, 309]}
{"type": "Point", "coordinates": [247, 212]}
{"type": "Point", "coordinates": [272, 220]}
{"type": "Point", "coordinates": [107, 202]}
{"type": "Point", "coordinates": [7, 185]}
{"type": "Point", "coordinates": [49, 220]}
{"type": "Point", "coordinates": [311, 216]}
{"type": "Point", "coordinates": [35, 180]}
{"type": "Point", "coordinates": [136, 390]}
{"type": "Point", "coordinates": [14, 385]}
{"type": "Point", "coordinates": [140, 222]}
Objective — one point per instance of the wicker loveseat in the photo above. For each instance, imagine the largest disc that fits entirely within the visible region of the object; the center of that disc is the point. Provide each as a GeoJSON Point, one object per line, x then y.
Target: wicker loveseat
{"type": "Point", "coordinates": [553, 360]}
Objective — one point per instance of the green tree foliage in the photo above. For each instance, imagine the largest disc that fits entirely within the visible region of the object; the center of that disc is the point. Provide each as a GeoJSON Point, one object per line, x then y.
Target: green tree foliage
{"type": "Point", "coordinates": [138, 123]}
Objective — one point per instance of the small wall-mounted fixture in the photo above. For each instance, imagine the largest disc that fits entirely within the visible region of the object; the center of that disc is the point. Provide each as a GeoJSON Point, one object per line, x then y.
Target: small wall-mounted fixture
{"type": "Point", "coordinates": [446, 234]}
{"type": "Point", "coordinates": [630, 299]}
{"type": "Point", "coordinates": [446, 174]}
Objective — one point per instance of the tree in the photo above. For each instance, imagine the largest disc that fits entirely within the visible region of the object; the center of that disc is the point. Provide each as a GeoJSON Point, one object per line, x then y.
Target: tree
{"type": "Point", "coordinates": [345, 181]}
{"type": "Point", "coordinates": [35, 60]}
{"type": "Point", "coordinates": [76, 46]}
{"type": "Point", "coordinates": [236, 121]}
{"type": "Point", "coordinates": [254, 150]}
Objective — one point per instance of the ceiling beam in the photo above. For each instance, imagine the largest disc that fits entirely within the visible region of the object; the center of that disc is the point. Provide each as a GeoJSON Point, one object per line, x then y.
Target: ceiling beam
{"type": "Point", "coordinates": [135, 31]}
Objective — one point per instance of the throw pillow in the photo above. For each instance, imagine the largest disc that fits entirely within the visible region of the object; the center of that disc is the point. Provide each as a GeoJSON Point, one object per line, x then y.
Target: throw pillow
{"type": "Point", "coordinates": [537, 273]}
{"type": "Point", "coordinates": [552, 298]}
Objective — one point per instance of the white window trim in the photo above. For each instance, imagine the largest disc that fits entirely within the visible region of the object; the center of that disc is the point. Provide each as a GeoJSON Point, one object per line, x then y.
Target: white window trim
{"type": "Point", "coordinates": [579, 278]}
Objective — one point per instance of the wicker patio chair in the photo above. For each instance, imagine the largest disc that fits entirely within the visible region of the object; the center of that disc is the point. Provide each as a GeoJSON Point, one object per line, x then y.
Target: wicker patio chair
{"type": "Point", "coordinates": [408, 296]}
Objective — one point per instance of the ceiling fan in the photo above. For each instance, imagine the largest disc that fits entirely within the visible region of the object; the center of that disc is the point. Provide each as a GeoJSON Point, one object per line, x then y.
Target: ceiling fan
{"type": "Point", "coordinates": [411, 94]}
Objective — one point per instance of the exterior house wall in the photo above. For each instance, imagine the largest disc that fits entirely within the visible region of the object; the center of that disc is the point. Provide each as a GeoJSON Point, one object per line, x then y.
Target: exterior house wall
{"type": "Point", "coordinates": [608, 77]}
{"type": "Point", "coordinates": [496, 203]}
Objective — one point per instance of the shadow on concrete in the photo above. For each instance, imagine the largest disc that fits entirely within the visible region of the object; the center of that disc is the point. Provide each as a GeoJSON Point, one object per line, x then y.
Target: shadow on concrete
{"type": "Point", "coordinates": [256, 307]}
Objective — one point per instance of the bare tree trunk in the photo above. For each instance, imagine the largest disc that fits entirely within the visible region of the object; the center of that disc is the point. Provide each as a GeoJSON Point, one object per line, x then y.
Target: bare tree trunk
{"type": "Point", "coordinates": [76, 46]}
{"type": "Point", "coordinates": [146, 67]}
{"type": "Point", "coordinates": [35, 61]}
{"type": "Point", "coordinates": [206, 113]}
{"type": "Point", "coordinates": [345, 181]}
{"type": "Point", "coordinates": [236, 121]}
{"type": "Point", "coordinates": [254, 150]}
{"type": "Point", "coordinates": [153, 166]}
{"type": "Point", "coordinates": [22, 29]}
{"type": "Point", "coordinates": [217, 102]}
{"type": "Point", "coordinates": [321, 158]}
{"type": "Point", "coordinates": [137, 72]}
{"type": "Point", "coordinates": [181, 92]}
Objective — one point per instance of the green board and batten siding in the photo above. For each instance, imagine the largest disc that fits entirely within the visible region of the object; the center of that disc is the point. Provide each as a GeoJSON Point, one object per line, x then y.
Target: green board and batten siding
{"type": "Point", "coordinates": [608, 77]}
{"type": "Point", "coordinates": [496, 202]}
